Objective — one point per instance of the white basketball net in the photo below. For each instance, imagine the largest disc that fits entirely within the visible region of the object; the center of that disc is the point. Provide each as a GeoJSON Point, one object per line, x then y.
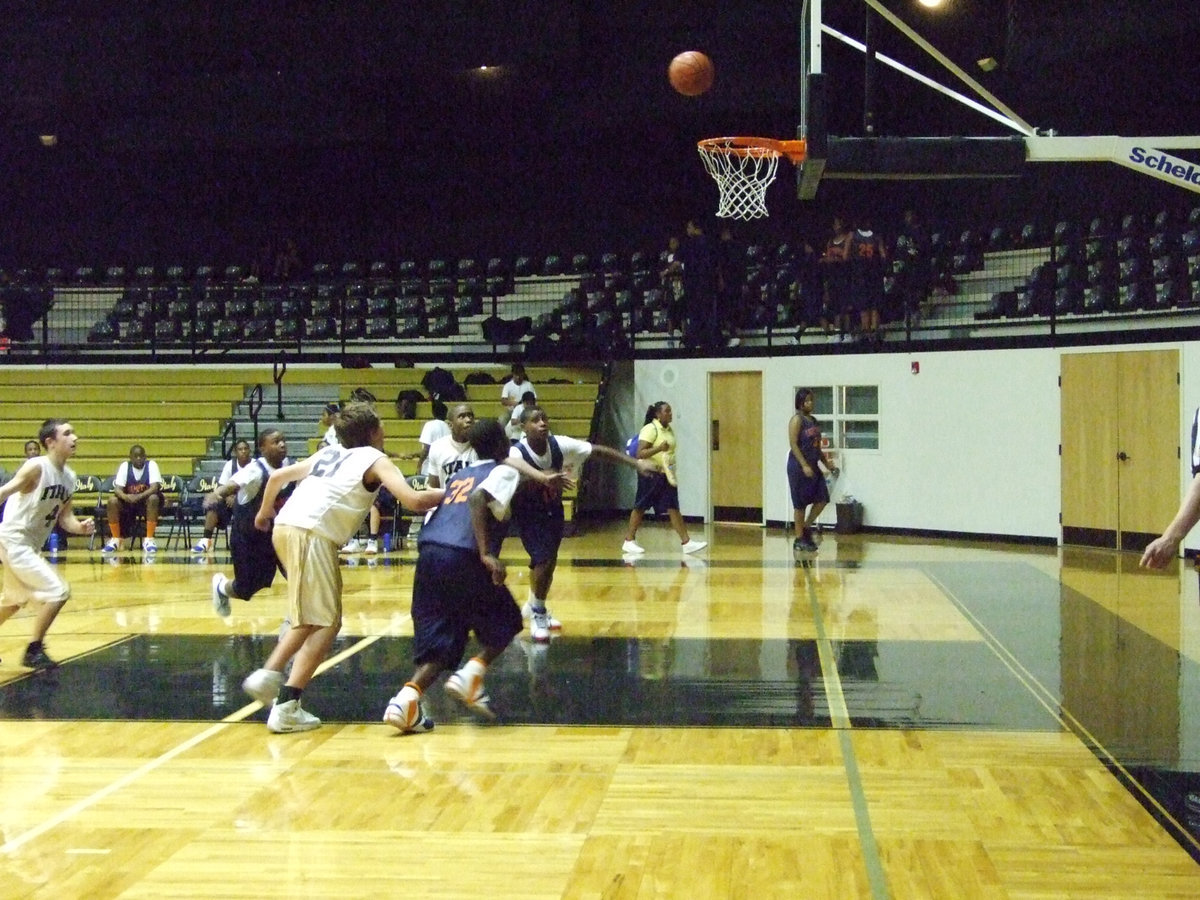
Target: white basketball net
{"type": "Point", "coordinates": [742, 174]}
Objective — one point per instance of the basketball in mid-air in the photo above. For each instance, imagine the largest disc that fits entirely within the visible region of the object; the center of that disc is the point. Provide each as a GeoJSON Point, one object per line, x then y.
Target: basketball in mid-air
{"type": "Point", "coordinates": [691, 73]}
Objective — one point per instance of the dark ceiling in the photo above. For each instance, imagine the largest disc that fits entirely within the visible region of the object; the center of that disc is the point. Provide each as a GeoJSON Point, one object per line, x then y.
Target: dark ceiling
{"type": "Point", "coordinates": [197, 128]}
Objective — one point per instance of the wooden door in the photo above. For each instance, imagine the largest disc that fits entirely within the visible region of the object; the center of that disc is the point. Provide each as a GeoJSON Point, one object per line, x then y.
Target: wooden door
{"type": "Point", "coordinates": [735, 446]}
{"type": "Point", "coordinates": [1148, 445]}
{"type": "Point", "coordinates": [1089, 441]}
{"type": "Point", "coordinates": [1120, 437]}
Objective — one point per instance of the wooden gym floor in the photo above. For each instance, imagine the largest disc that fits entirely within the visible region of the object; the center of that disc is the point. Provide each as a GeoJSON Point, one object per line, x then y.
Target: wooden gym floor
{"type": "Point", "coordinates": [902, 718]}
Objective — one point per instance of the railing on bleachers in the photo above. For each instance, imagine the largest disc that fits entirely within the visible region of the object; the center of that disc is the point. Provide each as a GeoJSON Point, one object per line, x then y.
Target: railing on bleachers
{"type": "Point", "coordinates": [1138, 272]}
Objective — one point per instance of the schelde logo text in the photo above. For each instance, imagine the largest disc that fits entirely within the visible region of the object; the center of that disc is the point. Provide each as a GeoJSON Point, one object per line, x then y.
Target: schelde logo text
{"type": "Point", "coordinates": [1170, 166]}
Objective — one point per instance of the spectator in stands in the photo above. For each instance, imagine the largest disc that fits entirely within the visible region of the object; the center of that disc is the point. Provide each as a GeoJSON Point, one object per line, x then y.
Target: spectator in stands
{"type": "Point", "coordinates": [217, 516]}
{"type": "Point", "coordinates": [32, 449]}
{"type": "Point", "coordinates": [731, 272]}
{"type": "Point", "coordinates": [432, 430]}
{"type": "Point", "coordinates": [671, 278]}
{"type": "Point", "coordinates": [866, 256]}
{"type": "Point", "coordinates": [702, 326]}
{"type": "Point", "coordinates": [913, 251]}
{"type": "Point", "coordinates": [264, 265]}
{"type": "Point", "coordinates": [137, 490]}
{"type": "Point", "coordinates": [287, 261]}
{"type": "Point", "coordinates": [512, 390]}
{"type": "Point", "coordinates": [807, 300]}
{"type": "Point", "coordinates": [329, 420]}
{"type": "Point", "coordinates": [515, 430]}
{"type": "Point", "coordinates": [836, 277]}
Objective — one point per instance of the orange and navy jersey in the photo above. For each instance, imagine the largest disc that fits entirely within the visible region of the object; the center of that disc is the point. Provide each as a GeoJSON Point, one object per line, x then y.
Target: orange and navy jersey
{"type": "Point", "coordinates": [450, 523]}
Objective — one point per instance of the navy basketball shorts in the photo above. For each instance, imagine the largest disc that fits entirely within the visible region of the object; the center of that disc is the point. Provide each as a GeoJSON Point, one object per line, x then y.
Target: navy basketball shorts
{"type": "Point", "coordinates": [806, 491]}
{"type": "Point", "coordinates": [254, 561]}
{"type": "Point", "coordinates": [453, 595]}
{"type": "Point", "coordinates": [541, 525]}
{"type": "Point", "coordinates": [655, 492]}
{"type": "Point", "coordinates": [385, 501]}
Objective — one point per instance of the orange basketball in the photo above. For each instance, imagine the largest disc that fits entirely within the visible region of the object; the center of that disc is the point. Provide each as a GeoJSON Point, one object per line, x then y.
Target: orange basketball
{"type": "Point", "coordinates": [691, 73]}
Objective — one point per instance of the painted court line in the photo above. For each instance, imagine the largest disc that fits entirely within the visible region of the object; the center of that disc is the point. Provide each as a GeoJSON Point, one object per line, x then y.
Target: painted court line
{"type": "Point", "coordinates": [146, 768]}
{"type": "Point", "coordinates": [839, 715]}
{"type": "Point", "coordinates": [1065, 718]}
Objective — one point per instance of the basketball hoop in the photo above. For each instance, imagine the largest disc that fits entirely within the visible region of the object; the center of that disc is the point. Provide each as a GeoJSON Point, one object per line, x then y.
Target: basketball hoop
{"type": "Point", "coordinates": [743, 168]}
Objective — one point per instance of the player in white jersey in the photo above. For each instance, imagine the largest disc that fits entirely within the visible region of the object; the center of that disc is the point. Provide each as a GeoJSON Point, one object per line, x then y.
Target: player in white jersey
{"type": "Point", "coordinates": [454, 451]}
{"type": "Point", "coordinates": [449, 454]}
{"type": "Point", "coordinates": [538, 511]}
{"type": "Point", "coordinates": [336, 487]}
{"type": "Point", "coordinates": [38, 497]}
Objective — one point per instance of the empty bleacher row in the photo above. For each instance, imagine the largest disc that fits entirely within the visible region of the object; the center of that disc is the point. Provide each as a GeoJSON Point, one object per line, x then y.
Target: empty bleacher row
{"type": "Point", "coordinates": [610, 302]}
{"type": "Point", "coordinates": [1132, 265]}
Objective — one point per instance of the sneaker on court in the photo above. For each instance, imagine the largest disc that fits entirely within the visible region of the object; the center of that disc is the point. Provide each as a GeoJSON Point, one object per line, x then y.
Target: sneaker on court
{"type": "Point", "coordinates": [354, 545]}
{"type": "Point", "coordinates": [263, 685]}
{"type": "Point", "coordinates": [372, 546]}
{"type": "Point", "coordinates": [220, 600]}
{"type": "Point", "coordinates": [290, 716]}
{"type": "Point", "coordinates": [468, 690]}
{"type": "Point", "coordinates": [38, 660]}
{"type": "Point", "coordinates": [539, 627]}
{"type": "Point", "coordinates": [407, 715]}
{"type": "Point", "coordinates": [202, 545]}
{"type": "Point", "coordinates": [632, 547]}
{"type": "Point", "coordinates": [693, 545]}
{"type": "Point", "coordinates": [527, 613]}
{"type": "Point", "coordinates": [148, 546]}
{"type": "Point", "coordinates": [112, 545]}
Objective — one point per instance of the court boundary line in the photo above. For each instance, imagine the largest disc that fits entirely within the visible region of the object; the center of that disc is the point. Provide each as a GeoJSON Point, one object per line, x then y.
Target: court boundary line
{"type": "Point", "coordinates": [1068, 721]}
{"type": "Point", "coordinates": [40, 673]}
{"type": "Point", "coordinates": [85, 803]}
{"type": "Point", "coordinates": [841, 724]}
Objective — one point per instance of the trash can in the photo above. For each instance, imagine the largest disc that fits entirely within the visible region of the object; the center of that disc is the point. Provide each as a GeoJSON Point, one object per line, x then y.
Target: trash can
{"type": "Point", "coordinates": [849, 517]}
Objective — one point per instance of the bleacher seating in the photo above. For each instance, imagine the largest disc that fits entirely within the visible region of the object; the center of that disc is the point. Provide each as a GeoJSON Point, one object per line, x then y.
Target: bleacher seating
{"type": "Point", "coordinates": [582, 303]}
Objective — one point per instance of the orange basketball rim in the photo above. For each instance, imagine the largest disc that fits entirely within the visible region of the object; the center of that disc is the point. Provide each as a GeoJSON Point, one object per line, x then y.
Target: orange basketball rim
{"type": "Point", "coordinates": [743, 168]}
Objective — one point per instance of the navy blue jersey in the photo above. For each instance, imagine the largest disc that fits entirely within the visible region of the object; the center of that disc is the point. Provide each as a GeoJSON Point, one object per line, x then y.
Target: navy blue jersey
{"type": "Point", "coordinates": [450, 525]}
{"type": "Point", "coordinates": [244, 513]}
{"type": "Point", "coordinates": [809, 440]}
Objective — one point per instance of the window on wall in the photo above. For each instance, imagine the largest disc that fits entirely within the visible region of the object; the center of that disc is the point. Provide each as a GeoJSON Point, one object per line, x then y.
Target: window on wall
{"type": "Point", "coordinates": [849, 415]}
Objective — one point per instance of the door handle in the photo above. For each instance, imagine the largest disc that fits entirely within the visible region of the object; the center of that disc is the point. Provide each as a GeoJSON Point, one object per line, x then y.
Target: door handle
{"type": "Point", "coordinates": [716, 434]}
{"type": "Point", "coordinates": [1122, 456]}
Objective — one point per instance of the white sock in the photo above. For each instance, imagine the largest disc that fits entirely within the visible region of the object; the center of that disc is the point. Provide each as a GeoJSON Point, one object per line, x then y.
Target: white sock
{"type": "Point", "coordinates": [474, 666]}
{"type": "Point", "coordinates": [409, 692]}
